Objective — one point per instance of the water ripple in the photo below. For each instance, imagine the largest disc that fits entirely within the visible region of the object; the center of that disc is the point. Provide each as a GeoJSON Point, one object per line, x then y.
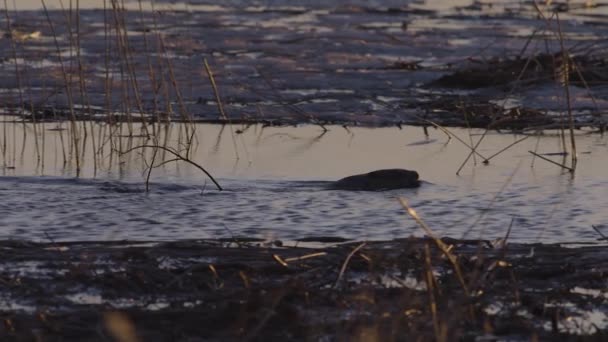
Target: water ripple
{"type": "Point", "coordinates": [79, 209]}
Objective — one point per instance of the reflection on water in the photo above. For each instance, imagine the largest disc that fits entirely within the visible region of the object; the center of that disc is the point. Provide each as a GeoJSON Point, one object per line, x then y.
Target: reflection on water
{"type": "Point", "coordinates": [276, 188]}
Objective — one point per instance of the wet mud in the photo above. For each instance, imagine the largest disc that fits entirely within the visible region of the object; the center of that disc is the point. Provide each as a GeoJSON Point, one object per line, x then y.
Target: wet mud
{"type": "Point", "coordinates": [240, 289]}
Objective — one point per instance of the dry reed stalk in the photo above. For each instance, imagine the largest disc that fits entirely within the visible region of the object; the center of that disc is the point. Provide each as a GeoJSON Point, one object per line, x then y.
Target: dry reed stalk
{"type": "Point", "coordinates": [124, 75]}
{"type": "Point", "coordinates": [304, 257]}
{"type": "Point", "coordinates": [107, 80]}
{"type": "Point", "coordinates": [597, 230]}
{"type": "Point", "coordinates": [69, 14]}
{"type": "Point", "coordinates": [566, 71]}
{"type": "Point", "coordinates": [83, 149]}
{"type": "Point", "coordinates": [178, 157]}
{"type": "Point", "coordinates": [552, 162]}
{"type": "Point", "coordinates": [35, 128]}
{"type": "Point", "coordinates": [466, 120]}
{"type": "Point", "coordinates": [19, 82]}
{"type": "Point", "coordinates": [445, 249]}
{"type": "Point", "coordinates": [494, 115]}
{"type": "Point", "coordinates": [345, 264]}
{"type": "Point", "coordinates": [430, 288]}
{"type": "Point", "coordinates": [218, 140]}
{"type": "Point", "coordinates": [128, 58]}
{"type": "Point", "coordinates": [4, 143]}
{"type": "Point", "coordinates": [68, 88]}
{"type": "Point", "coordinates": [152, 77]}
{"type": "Point", "coordinates": [186, 116]}
{"type": "Point", "coordinates": [538, 134]}
{"type": "Point", "coordinates": [491, 204]}
{"type": "Point", "coordinates": [477, 279]}
{"type": "Point", "coordinates": [452, 134]}
{"type": "Point", "coordinates": [506, 148]}
{"type": "Point", "coordinates": [280, 260]}
{"type": "Point", "coordinates": [505, 240]}
{"type": "Point", "coordinates": [181, 132]}
{"type": "Point", "coordinates": [167, 137]}
{"type": "Point", "coordinates": [565, 66]}
{"type": "Point", "coordinates": [14, 152]}
{"type": "Point", "coordinates": [15, 62]}
{"type": "Point", "coordinates": [113, 147]}
{"type": "Point", "coordinates": [160, 63]}
{"type": "Point", "coordinates": [43, 149]}
{"type": "Point", "coordinates": [84, 97]}
{"type": "Point", "coordinates": [149, 173]}
{"type": "Point", "coordinates": [220, 107]}
{"type": "Point", "coordinates": [473, 150]}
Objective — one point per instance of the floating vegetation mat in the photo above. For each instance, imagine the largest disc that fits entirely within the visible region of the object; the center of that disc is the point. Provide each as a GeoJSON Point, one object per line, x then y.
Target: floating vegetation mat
{"type": "Point", "coordinates": [254, 290]}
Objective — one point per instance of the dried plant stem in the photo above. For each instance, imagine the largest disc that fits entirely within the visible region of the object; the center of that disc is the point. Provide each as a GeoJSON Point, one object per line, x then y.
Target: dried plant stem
{"type": "Point", "coordinates": [491, 204]}
{"type": "Point", "coordinates": [68, 88]}
{"type": "Point", "coordinates": [451, 134]}
{"type": "Point", "coordinates": [14, 55]}
{"type": "Point", "coordinates": [304, 257]}
{"type": "Point", "coordinates": [445, 249]}
{"type": "Point", "coordinates": [149, 173]}
{"type": "Point", "coordinates": [519, 77]}
{"type": "Point", "coordinates": [466, 120]}
{"type": "Point", "coordinates": [220, 107]}
{"type": "Point", "coordinates": [430, 288]}
{"type": "Point", "coordinates": [4, 142]}
{"type": "Point", "coordinates": [345, 264]}
{"type": "Point", "coordinates": [177, 158]}
{"type": "Point", "coordinates": [84, 98]}
{"type": "Point", "coordinates": [566, 71]}
{"type": "Point", "coordinates": [17, 77]}
{"type": "Point", "coordinates": [473, 150]}
{"type": "Point", "coordinates": [184, 112]}
{"type": "Point", "coordinates": [154, 88]}
{"type": "Point", "coordinates": [506, 148]}
{"type": "Point", "coordinates": [551, 161]}
{"type": "Point", "coordinates": [125, 50]}
{"type": "Point", "coordinates": [597, 230]}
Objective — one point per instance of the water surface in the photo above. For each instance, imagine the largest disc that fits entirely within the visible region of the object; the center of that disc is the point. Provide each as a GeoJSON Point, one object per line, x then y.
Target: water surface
{"type": "Point", "coordinates": [276, 189]}
{"type": "Point", "coordinates": [368, 62]}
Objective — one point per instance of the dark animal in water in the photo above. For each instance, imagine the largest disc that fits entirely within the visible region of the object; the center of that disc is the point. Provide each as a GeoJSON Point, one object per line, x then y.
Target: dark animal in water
{"type": "Point", "coordinates": [378, 180]}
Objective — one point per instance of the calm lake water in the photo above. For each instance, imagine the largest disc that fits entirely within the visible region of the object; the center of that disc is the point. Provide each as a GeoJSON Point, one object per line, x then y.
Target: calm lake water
{"type": "Point", "coordinates": [276, 187]}
{"type": "Point", "coordinates": [298, 61]}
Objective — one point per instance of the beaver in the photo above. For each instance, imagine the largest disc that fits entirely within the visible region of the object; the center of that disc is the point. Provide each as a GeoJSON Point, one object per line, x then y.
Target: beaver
{"type": "Point", "coordinates": [386, 179]}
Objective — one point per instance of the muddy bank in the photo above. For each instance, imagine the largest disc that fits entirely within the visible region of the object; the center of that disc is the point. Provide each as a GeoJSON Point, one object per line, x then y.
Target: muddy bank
{"type": "Point", "coordinates": [254, 290]}
{"type": "Point", "coordinates": [376, 64]}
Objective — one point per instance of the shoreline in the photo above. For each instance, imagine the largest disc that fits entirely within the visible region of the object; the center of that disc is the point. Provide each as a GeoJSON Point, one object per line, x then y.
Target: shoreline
{"type": "Point", "coordinates": [229, 290]}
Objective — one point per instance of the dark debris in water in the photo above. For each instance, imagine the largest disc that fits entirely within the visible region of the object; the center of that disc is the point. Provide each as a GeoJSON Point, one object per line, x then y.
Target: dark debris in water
{"type": "Point", "coordinates": [542, 68]}
{"type": "Point", "coordinates": [252, 290]}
